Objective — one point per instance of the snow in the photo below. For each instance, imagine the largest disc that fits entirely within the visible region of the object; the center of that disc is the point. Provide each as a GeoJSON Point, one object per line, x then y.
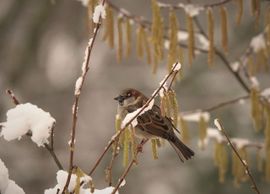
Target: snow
{"type": "Point", "coordinates": [217, 124]}
{"type": "Point", "coordinates": [8, 186]}
{"type": "Point", "coordinates": [254, 82]}
{"type": "Point", "coordinates": [239, 142]}
{"type": "Point", "coordinates": [195, 117]}
{"type": "Point", "coordinates": [3, 176]}
{"type": "Point", "coordinates": [258, 42]}
{"type": "Point", "coordinates": [182, 35]}
{"type": "Point", "coordinates": [131, 115]}
{"type": "Point", "coordinates": [235, 66]}
{"type": "Point", "coordinates": [266, 92]}
{"type": "Point", "coordinates": [99, 12]}
{"type": "Point", "coordinates": [84, 2]}
{"type": "Point", "coordinates": [61, 177]}
{"type": "Point", "coordinates": [203, 41]}
{"type": "Point", "coordinates": [78, 86]}
{"type": "Point", "coordinates": [13, 188]}
{"type": "Point", "coordinates": [191, 9]}
{"type": "Point", "coordinates": [213, 133]}
{"type": "Point", "coordinates": [25, 117]}
{"type": "Point", "coordinates": [176, 66]}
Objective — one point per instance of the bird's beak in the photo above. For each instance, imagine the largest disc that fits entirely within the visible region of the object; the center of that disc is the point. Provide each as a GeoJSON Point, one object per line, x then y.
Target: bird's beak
{"type": "Point", "coordinates": [120, 98]}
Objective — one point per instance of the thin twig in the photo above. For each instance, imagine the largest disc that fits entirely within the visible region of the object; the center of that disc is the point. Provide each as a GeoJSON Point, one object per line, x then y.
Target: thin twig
{"type": "Point", "coordinates": [244, 163]}
{"type": "Point", "coordinates": [12, 96]}
{"type": "Point", "coordinates": [50, 149]}
{"type": "Point", "coordinates": [221, 55]}
{"type": "Point", "coordinates": [133, 161]}
{"type": "Point", "coordinates": [130, 121]}
{"type": "Point", "coordinates": [85, 69]}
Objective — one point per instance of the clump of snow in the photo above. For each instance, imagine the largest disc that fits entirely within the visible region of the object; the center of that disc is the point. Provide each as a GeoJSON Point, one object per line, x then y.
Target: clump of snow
{"type": "Point", "coordinates": [99, 12]}
{"type": "Point", "coordinates": [254, 82]}
{"type": "Point", "coordinates": [213, 133]}
{"type": "Point", "coordinates": [61, 177]}
{"type": "Point", "coordinates": [258, 42]}
{"type": "Point", "coordinates": [202, 40]}
{"type": "Point", "coordinates": [25, 117]}
{"type": "Point", "coordinates": [131, 115]}
{"type": "Point", "coordinates": [195, 117]}
{"type": "Point", "coordinates": [78, 86]}
{"type": "Point", "coordinates": [182, 35]}
{"type": "Point", "coordinates": [8, 186]}
{"type": "Point", "coordinates": [217, 124]}
{"type": "Point", "coordinates": [84, 2]}
{"type": "Point", "coordinates": [191, 9]}
{"type": "Point", "coordinates": [266, 93]}
{"type": "Point", "coordinates": [235, 66]}
{"type": "Point", "coordinates": [240, 142]}
{"type": "Point", "coordinates": [176, 66]}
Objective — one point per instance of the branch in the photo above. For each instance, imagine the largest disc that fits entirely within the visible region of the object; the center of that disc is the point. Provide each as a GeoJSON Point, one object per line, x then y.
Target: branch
{"type": "Point", "coordinates": [116, 136]}
{"type": "Point", "coordinates": [244, 163]}
{"type": "Point", "coordinates": [78, 88]}
{"type": "Point", "coordinates": [182, 6]}
{"type": "Point", "coordinates": [132, 162]}
{"type": "Point", "coordinates": [49, 148]}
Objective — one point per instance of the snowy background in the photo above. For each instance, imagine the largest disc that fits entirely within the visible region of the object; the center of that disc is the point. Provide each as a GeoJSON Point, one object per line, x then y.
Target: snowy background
{"type": "Point", "coordinates": [42, 49]}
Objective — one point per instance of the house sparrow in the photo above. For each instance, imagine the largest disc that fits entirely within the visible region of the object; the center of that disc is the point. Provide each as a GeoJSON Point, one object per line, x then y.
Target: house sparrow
{"type": "Point", "coordinates": [151, 123]}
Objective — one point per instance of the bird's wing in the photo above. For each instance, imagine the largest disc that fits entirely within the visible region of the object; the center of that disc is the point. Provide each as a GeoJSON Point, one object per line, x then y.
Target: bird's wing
{"type": "Point", "coordinates": [153, 123]}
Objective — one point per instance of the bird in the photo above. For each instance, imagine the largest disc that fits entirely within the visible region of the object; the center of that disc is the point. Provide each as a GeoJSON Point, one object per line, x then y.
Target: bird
{"type": "Point", "coordinates": [151, 123]}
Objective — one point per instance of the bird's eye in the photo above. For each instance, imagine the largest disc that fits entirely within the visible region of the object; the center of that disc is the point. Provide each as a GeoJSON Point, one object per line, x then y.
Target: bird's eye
{"type": "Point", "coordinates": [128, 94]}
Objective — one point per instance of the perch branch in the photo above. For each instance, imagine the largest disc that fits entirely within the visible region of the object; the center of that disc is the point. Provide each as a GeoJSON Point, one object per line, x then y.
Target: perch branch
{"type": "Point", "coordinates": [116, 136]}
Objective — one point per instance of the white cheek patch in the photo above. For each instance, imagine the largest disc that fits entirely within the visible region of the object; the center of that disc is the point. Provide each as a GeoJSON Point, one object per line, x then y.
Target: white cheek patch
{"type": "Point", "coordinates": [128, 101]}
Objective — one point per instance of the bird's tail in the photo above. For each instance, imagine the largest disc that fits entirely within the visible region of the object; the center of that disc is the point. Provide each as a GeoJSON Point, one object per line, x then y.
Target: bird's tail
{"type": "Point", "coordinates": [181, 149]}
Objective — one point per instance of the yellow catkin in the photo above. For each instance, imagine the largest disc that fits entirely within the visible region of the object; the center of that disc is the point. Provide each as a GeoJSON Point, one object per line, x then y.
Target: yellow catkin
{"type": "Point", "coordinates": [79, 173]}
{"type": "Point", "coordinates": [221, 160]}
{"type": "Point", "coordinates": [117, 124]}
{"type": "Point", "coordinates": [224, 28]}
{"type": "Point", "coordinates": [184, 131]}
{"type": "Point", "coordinates": [267, 143]}
{"type": "Point", "coordinates": [255, 7]}
{"type": "Point", "coordinates": [128, 37]}
{"type": "Point", "coordinates": [109, 27]}
{"type": "Point", "coordinates": [240, 11]}
{"type": "Point", "coordinates": [191, 41]}
{"type": "Point", "coordinates": [211, 50]}
{"type": "Point", "coordinates": [262, 60]}
{"type": "Point", "coordinates": [133, 144]}
{"type": "Point", "coordinates": [120, 39]}
{"type": "Point", "coordinates": [173, 106]}
{"type": "Point", "coordinates": [238, 169]}
{"type": "Point", "coordinates": [267, 27]}
{"type": "Point", "coordinates": [154, 148]}
{"type": "Point", "coordinates": [251, 66]}
{"type": "Point", "coordinates": [126, 148]}
{"type": "Point", "coordinates": [165, 105]}
{"type": "Point", "coordinates": [139, 41]}
{"type": "Point", "coordinates": [256, 109]}
{"type": "Point", "coordinates": [157, 34]}
{"type": "Point", "coordinates": [202, 131]}
{"type": "Point", "coordinates": [173, 44]}
{"type": "Point", "coordinates": [259, 160]}
{"type": "Point", "coordinates": [146, 45]}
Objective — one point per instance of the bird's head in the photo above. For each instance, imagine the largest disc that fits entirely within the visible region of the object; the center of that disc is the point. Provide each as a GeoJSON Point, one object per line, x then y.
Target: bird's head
{"type": "Point", "coordinates": [127, 96]}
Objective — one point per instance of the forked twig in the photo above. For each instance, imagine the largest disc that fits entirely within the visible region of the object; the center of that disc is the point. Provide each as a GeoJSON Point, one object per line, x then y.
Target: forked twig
{"type": "Point", "coordinates": [77, 93]}
{"type": "Point", "coordinates": [49, 148]}
{"type": "Point", "coordinates": [244, 163]}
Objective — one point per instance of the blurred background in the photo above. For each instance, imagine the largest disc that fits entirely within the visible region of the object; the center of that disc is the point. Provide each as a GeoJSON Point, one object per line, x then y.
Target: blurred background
{"type": "Point", "coordinates": [42, 49]}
